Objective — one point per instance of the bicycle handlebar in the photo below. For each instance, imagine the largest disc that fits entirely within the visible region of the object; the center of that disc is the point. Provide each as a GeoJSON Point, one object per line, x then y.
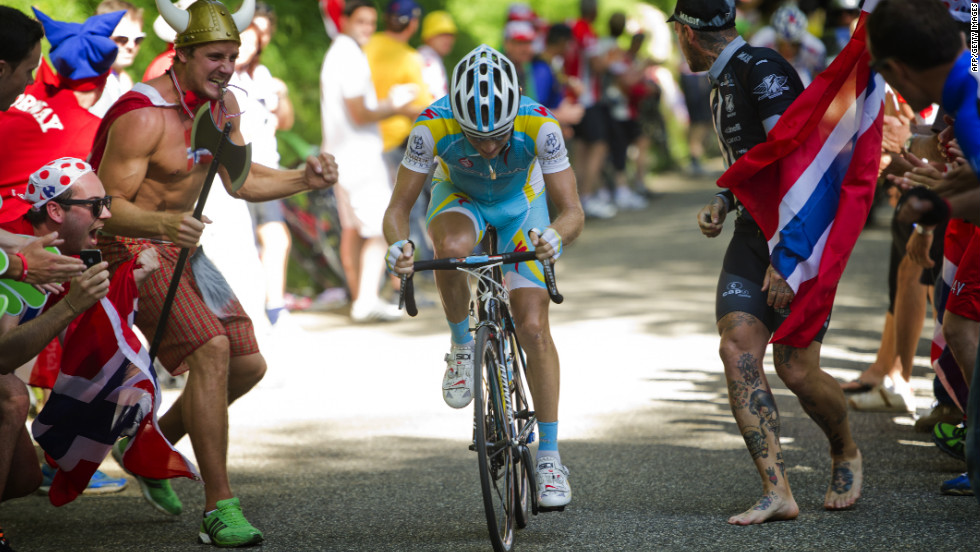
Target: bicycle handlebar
{"type": "Point", "coordinates": [407, 296]}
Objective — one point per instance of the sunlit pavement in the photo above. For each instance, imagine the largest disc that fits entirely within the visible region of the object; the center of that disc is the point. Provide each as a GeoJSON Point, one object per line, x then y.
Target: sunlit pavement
{"type": "Point", "coordinates": [347, 445]}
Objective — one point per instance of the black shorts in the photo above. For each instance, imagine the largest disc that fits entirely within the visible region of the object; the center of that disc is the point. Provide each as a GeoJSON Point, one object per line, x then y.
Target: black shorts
{"type": "Point", "coordinates": [594, 126]}
{"type": "Point", "coordinates": [742, 274]}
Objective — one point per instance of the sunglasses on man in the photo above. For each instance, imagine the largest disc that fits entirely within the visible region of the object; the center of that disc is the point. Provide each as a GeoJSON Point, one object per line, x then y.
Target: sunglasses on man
{"type": "Point", "coordinates": [123, 40]}
{"type": "Point", "coordinates": [95, 204]}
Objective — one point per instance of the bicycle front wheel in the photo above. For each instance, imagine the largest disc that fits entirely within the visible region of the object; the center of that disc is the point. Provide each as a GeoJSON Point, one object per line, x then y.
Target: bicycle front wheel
{"type": "Point", "coordinates": [493, 435]}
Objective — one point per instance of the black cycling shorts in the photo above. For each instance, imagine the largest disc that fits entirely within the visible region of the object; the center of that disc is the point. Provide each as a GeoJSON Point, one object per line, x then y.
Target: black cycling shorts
{"type": "Point", "coordinates": [740, 283]}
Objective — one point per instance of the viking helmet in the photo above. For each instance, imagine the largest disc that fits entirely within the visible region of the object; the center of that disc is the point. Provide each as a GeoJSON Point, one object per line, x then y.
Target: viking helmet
{"type": "Point", "coordinates": [206, 21]}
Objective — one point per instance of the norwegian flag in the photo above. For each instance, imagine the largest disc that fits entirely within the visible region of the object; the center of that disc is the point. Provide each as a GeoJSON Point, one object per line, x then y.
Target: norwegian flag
{"type": "Point", "coordinates": [810, 185]}
{"type": "Point", "coordinates": [106, 389]}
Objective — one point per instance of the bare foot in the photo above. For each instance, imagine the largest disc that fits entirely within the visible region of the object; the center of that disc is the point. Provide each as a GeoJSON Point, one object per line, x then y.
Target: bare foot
{"type": "Point", "coordinates": [770, 507]}
{"type": "Point", "coordinates": [845, 485]}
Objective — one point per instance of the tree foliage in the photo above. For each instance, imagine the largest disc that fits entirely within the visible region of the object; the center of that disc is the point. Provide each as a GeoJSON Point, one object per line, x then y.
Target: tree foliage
{"type": "Point", "coordinates": [300, 43]}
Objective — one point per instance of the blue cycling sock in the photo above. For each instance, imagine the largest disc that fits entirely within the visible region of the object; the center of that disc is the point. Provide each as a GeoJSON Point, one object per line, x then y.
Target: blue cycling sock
{"type": "Point", "coordinates": [460, 331]}
{"type": "Point", "coordinates": [548, 440]}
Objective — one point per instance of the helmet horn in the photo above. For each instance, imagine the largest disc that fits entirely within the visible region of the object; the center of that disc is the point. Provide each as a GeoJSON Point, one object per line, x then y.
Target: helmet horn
{"type": "Point", "coordinates": [174, 16]}
{"type": "Point", "coordinates": [243, 17]}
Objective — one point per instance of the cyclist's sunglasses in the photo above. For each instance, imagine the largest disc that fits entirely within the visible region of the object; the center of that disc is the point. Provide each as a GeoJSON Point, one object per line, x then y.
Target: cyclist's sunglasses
{"type": "Point", "coordinates": [96, 204]}
{"type": "Point", "coordinates": [503, 137]}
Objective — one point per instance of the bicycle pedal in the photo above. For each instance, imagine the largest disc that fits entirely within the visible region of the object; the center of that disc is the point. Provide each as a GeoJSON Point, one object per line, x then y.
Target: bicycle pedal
{"type": "Point", "coordinates": [472, 447]}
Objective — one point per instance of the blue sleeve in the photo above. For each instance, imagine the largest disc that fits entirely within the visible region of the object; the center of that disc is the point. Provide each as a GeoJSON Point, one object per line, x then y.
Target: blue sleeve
{"type": "Point", "coordinates": [549, 93]}
{"type": "Point", "coordinates": [967, 124]}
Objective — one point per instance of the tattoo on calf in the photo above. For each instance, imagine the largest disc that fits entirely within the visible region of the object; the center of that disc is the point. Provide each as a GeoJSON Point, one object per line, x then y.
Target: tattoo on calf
{"type": "Point", "coordinates": [763, 405]}
{"type": "Point", "coordinates": [771, 472]}
{"type": "Point", "coordinates": [755, 440]}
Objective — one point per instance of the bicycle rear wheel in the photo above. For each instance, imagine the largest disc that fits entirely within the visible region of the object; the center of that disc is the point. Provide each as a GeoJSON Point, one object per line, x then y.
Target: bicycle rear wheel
{"type": "Point", "coordinates": [493, 435]}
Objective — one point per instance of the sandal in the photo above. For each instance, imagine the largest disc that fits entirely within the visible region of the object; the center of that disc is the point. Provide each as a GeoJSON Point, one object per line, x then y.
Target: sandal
{"type": "Point", "coordinates": [856, 386]}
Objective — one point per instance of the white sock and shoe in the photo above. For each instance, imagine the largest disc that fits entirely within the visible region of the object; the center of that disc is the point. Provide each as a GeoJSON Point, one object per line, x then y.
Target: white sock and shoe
{"type": "Point", "coordinates": [457, 382]}
{"type": "Point", "coordinates": [553, 488]}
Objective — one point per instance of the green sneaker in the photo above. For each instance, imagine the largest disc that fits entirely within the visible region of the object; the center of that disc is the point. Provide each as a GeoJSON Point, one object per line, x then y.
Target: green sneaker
{"type": "Point", "coordinates": [157, 492]}
{"type": "Point", "coordinates": [227, 527]}
{"type": "Point", "coordinates": [950, 438]}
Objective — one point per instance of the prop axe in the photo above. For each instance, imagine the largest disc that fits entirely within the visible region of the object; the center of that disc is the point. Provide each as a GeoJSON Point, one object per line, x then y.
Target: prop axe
{"type": "Point", "coordinates": [237, 160]}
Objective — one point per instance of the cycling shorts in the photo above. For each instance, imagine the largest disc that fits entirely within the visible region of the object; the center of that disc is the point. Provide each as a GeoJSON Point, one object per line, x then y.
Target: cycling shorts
{"type": "Point", "coordinates": [742, 274]}
{"type": "Point", "coordinates": [513, 217]}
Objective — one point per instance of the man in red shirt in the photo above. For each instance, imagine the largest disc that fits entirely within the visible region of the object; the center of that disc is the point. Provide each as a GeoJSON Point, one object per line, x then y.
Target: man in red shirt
{"type": "Point", "coordinates": [51, 119]}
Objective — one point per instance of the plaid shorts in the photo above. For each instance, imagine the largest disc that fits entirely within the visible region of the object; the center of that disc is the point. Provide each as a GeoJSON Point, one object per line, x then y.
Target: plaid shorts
{"type": "Point", "coordinates": [191, 323]}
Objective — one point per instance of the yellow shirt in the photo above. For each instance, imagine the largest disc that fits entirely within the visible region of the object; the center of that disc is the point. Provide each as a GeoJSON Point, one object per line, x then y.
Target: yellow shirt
{"type": "Point", "coordinates": [393, 62]}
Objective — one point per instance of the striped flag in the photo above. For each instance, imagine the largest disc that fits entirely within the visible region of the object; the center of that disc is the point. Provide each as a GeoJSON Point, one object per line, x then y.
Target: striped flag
{"type": "Point", "coordinates": [106, 389]}
{"type": "Point", "coordinates": [811, 184]}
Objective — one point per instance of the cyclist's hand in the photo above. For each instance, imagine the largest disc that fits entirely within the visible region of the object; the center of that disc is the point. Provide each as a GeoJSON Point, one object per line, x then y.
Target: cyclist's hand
{"type": "Point", "coordinates": [712, 216]}
{"type": "Point", "coordinates": [547, 244]}
{"type": "Point", "coordinates": [401, 257]}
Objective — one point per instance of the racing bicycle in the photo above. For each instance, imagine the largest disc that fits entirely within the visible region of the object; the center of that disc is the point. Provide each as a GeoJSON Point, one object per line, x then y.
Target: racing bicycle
{"type": "Point", "coordinates": [503, 422]}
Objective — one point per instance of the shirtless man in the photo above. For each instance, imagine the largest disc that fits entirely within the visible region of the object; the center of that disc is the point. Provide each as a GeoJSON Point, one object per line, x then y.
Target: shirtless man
{"type": "Point", "coordinates": [143, 155]}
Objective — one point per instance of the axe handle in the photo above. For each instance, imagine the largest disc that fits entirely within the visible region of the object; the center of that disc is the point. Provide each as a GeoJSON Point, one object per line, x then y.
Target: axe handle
{"type": "Point", "coordinates": [184, 251]}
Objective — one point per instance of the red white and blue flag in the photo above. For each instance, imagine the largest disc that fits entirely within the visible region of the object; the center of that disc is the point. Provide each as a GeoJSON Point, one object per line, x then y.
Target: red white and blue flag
{"type": "Point", "coordinates": [811, 184]}
{"type": "Point", "coordinates": [106, 389]}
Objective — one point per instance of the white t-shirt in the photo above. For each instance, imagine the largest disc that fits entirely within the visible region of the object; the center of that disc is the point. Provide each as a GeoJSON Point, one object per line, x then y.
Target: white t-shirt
{"type": "Point", "coordinates": [112, 91]}
{"type": "Point", "coordinates": [433, 72]}
{"type": "Point", "coordinates": [346, 75]}
{"type": "Point", "coordinates": [259, 123]}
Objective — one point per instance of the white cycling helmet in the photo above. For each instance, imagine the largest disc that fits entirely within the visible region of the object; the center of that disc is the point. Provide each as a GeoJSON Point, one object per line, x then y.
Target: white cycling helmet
{"type": "Point", "coordinates": [789, 22]}
{"type": "Point", "coordinates": [484, 94]}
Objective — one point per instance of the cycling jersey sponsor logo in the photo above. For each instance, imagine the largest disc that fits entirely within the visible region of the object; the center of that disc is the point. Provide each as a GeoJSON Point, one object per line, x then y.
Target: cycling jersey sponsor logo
{"type": "Point", "coordinates": [466, 162]}
{"type": "Point", "coordinates": [771, 87]}
{"type": "Point", "coordinates": [551, 144]}
{"type": "Point", "coordinates": [429, 114]}
{"type": "Point", "coordinates": [746, 57]}
{"type": "Point", "coordinates": [730, 103]}
{"type": "Point", "coordinates": [736, 289]}
{"type": "Point", "coordinates": [418, 144]}
{"type": "Point", "coordinates": [734, 128]}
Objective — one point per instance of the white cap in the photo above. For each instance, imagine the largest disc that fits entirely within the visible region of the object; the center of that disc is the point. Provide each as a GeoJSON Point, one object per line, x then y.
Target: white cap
{"type": "Point", "coordinates": [51, 180]}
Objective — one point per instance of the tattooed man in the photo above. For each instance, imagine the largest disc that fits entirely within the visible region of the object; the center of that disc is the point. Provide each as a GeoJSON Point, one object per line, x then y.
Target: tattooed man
{"type": "Point", "coordinates": [751, 88]}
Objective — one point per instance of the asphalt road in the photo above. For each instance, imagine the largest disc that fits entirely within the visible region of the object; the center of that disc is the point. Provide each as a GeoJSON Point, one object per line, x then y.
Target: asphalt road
{"type": "Point", "coordinates": [347, 445]}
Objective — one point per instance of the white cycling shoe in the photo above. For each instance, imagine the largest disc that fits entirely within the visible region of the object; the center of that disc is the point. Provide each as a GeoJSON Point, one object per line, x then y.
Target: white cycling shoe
{"type": "Point", "coordinates": [457, 382]}
{"type": "Point", "coordinates": [553, 488]}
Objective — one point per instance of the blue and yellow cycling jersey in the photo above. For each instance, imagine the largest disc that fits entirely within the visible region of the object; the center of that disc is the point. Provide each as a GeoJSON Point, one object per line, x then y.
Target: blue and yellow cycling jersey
{"type": "Point", "coordinates": [507, 191]}
{"type": "Point", "coordinates": [436, 138]}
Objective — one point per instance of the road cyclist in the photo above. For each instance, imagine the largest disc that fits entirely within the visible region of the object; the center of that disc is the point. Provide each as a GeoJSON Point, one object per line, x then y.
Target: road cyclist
{"type": "Point", "coordinates": [499, 158]}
